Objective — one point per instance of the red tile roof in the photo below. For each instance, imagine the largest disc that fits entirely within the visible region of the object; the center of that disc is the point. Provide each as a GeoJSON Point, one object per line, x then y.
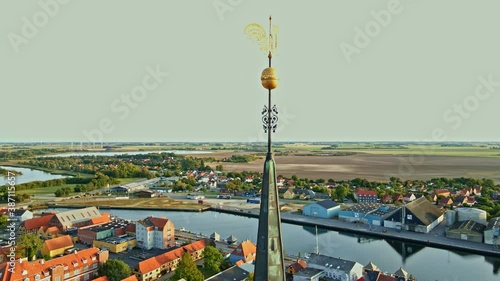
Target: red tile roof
{"type": "Point", "coordinates": [195, 246]}
{"type": "Point", "coordinates": [384, 277]}
{"type": "Point", "coordinates": [157, 222]}
{"type": "Point", "coordinates": [130, 278]}
{"type": "Point", "coordinates": [156, 262]}
{"type": "Point", "coordinates": [59, 242]}
{"type": "Point", "coordinates": [364, 192]}
{"type": "Point", "coordinates": [38, 267]}
{"type": "Point", "coordinates": [445, 201]}
{"type": "Point", "coordinates": [36, 223]}
{"type": "Point", "coordinates": [148, 265]}
{"type": "Point", "coordinates": [441, 191]}
{"type": "Point", "coordinates": [298, 265]}
{"type": "Point", "coordinates": [51, 229]}
{"type": "Point", "coordinates": [247, 250]}
{"type": "Point", "coordinates": [104, 218]}
{"type": "Point", "coordinates": [102, 278]}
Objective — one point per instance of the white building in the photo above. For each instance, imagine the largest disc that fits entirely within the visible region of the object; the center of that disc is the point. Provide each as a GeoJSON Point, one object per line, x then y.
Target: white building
{"type": "Point", "coordinates": [336, 268]}
{"type": "Point", "coordinates": [22, 215]}
{"type": "Point", "coordinates": [155, 233]}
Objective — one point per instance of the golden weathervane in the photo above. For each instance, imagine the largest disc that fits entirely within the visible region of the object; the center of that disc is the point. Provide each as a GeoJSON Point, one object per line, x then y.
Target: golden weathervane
{"type": "Point", "coordinates": [258, 35]}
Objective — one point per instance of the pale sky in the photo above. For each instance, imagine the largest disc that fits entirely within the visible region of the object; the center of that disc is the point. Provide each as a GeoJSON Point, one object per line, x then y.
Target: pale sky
{"type": "Point", "coordinates": [349, 70]}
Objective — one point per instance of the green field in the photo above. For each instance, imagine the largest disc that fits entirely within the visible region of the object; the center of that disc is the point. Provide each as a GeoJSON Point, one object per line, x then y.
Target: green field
{"type": "Point", "coordinates": [52, 189]}
{"type": "Point", "coordinates": [472, 150]}
{"type": "Point", "coordinates": [45, 190]}
{"type": "Point", "coordinates": [394, 148]}
{"type": "Point", "coordinates": [468, 151]}
{"type": "Point", "coordinates": [127, 180]}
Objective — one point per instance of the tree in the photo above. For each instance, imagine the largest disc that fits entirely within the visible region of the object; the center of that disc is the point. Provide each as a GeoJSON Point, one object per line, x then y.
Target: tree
{"type": "Point", "coordinates": [341, 192]}
{"type": "Point", "coordinates": [187, 269]}
{"type": "Point", "coordinates": [213, 259]}
{"type": "Point", "coordinates": [115, 270]}
{"type": "Point", "coordinates": [29, 244]}
{"type": "Point", "coordinates": [3, 221]}
{"type": "Point", "coordinates": [250, 276]}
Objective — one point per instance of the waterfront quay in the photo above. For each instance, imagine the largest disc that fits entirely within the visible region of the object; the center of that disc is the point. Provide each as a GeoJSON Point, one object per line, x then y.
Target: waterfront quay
{"type": "Point", "coordinates": [435, 238]}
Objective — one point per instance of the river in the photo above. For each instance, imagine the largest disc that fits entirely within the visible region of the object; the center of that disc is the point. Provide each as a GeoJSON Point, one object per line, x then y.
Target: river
{"type": "Point", "coordinates": [29, 175]}
{"type": "Point", "coordinates": [423, 262]}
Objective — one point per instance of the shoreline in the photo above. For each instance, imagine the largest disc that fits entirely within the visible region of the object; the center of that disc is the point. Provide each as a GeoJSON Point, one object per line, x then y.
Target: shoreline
{"type": "Point", "coordinates": [107, 207]}
{"type": "Point", "coordinates": [404, 236]}
{"type": "Point", "coordinates": [432, 239]}
{"type": "Point", "coordinates": [46, 170]}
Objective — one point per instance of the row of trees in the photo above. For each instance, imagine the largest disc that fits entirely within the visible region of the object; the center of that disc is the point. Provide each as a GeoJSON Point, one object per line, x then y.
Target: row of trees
{"type": "Point", "coordinates": [49, 183]}
{"type": "Point", "coordinates": [241, 158]}
{"type": "Point", "coordinates": [114, 166]}
{"type": "Point", "coordinates": [237, 184]}
{"type": "Point", "coordinates": [99, 180]}
{"type": "Point", "coordinates": [127, 170]}
{"type": "Point", "coordinates": [26, 153]}
{"type": "Point", "coordinates": [4, 172]}
{"type": "Point", "coordinates": [19, 197]}
{"type": "Point", "coordinates": [63, 191]}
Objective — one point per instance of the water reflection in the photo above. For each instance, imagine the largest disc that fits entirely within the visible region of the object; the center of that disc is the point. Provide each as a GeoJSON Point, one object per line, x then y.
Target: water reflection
{"type": "Point", "coordinates": [29, 175]}
{"type": "Point", "coordinates": [404, 249]}
{"type": "Point", "coordinates": [423, 262]}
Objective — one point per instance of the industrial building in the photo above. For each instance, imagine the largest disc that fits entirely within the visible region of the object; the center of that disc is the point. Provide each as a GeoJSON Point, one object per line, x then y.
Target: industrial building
{"type": "Point", "coordinates": [492, 232]}
{"type": "Point", "coordinates": [473, 214]}
{"type": "Point", "coordinates": [370, 213]}
{"type": "Point", "coordinates": [88, 234]}
{"type": "Point", "coordinates": [466, 230]}
{"type": "Point", "coordinates": [323, 209]}
{"type": "Point", "coordinates": [421, 215]}
{"type": "Point", "coordinates": [116, 244]}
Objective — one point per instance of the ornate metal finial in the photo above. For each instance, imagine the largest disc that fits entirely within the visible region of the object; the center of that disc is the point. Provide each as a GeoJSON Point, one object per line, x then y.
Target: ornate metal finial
{"type": "Point", "coordinates": [273, 125]}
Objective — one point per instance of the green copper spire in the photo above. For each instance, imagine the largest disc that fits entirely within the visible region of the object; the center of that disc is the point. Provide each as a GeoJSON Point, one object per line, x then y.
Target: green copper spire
{"type": "Point", "coordinates": [269, 264]}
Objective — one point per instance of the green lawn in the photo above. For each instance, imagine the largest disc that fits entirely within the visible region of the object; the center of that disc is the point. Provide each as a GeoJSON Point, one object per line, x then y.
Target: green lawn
{"type": "Point", "coordinates": [45, 190]}
{"type": "Point", "coordinates": [127, 180]}
{"type": "Point", "coordinates": [52, 189]}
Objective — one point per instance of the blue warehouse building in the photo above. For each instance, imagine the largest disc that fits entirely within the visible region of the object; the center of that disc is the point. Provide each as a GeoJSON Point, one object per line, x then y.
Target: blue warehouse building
{"type": "Point", "coordinates": [323, 209]}
{"type": "Point", "coordinates": [370, 213]}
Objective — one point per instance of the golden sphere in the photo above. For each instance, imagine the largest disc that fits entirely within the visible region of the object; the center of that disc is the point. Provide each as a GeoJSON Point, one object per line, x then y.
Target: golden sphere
{"type": "Point", "coordinates": [269, 79]}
